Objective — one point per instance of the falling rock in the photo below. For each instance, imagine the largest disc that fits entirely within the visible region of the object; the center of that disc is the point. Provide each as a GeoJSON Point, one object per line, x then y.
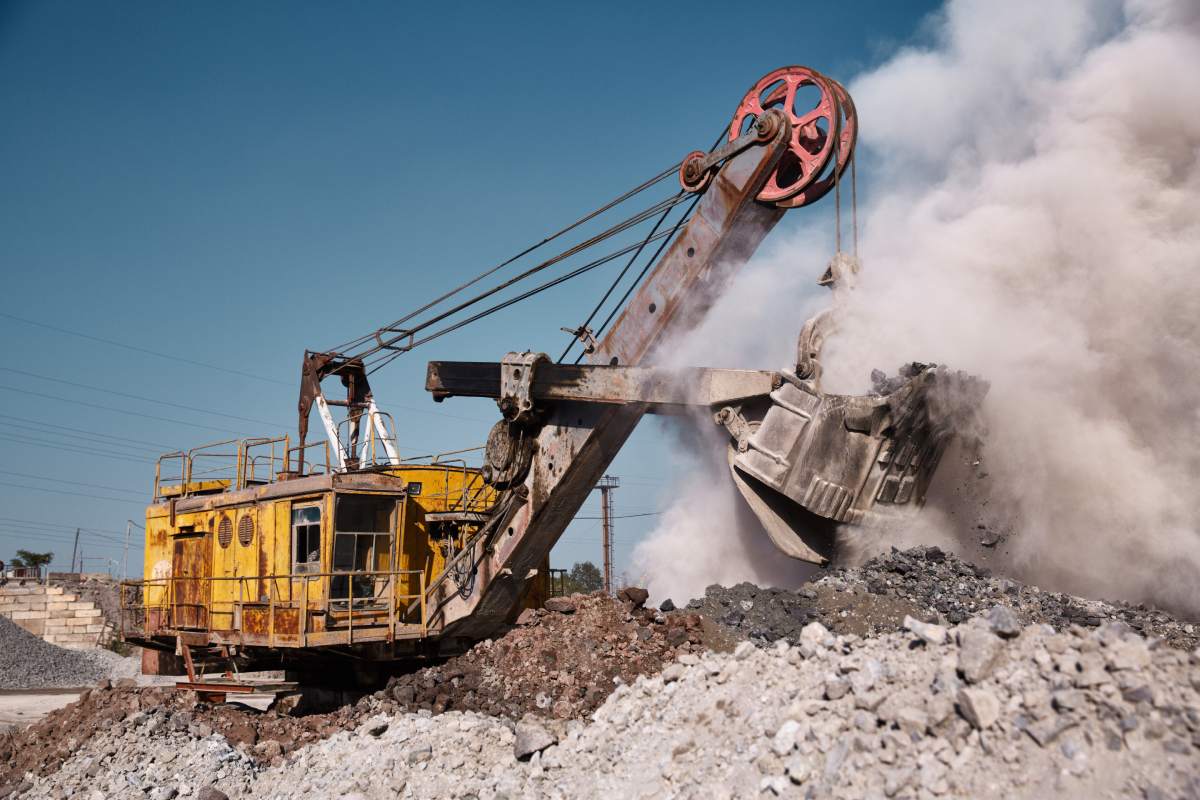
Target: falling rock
{"type": "Point", "coordinates": [978, 707]}
{"type": "Point", "coordinates": [926, 631]}
{"type": "Point", "coordinates": [667, 605]}
{"type": "Point", "coordinates": [531, 738]}
{"type": "Point", "coordinates": [979, 650]}
{"type": "Point", "coordinates": [560, 605]}
{"type": "Point", "coordinates": [1003, 621]}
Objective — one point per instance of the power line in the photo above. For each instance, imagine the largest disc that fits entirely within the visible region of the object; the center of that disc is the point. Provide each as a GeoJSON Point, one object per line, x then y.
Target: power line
{"type": "Point", "coordinates": [145, 350]}
{"type": "Point", "coordinates": [75, 494]}
{"type": "Point", "coordinates": [84, 438]}
{"type": "Point", "coordinates": [158, 448]}
{"type": "Point", "coordinates": [138, 397]}
{"type": "Point", "coordinates": [53, 537]}
{"type": "Point", "coordinates": [138, 414]}
{"type": "Point", "coordinates": [67, 449]}
{"type": "Point", "coordinates": [627, 516]}
{"type": "Point", "coordinates": [58, 525]}
{"type": "Point", "coordinates": [75, 483]}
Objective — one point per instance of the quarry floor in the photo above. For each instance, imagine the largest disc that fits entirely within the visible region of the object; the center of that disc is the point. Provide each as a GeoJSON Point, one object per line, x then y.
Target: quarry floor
{"type": "Point", "coordinates": [915, 675]}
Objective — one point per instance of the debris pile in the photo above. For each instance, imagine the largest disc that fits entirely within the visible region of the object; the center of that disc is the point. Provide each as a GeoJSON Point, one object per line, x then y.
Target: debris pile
{"type": "Point", "coordinates": [557, 663]}
{"type": "Point", "coordinates": [560, 662]}
{"type": "Point", "coordinates": [981, 709]}
{"type": "Point", "coordinates": [925, 583]}
{"type": "Point", "coordinates": [28, 661]}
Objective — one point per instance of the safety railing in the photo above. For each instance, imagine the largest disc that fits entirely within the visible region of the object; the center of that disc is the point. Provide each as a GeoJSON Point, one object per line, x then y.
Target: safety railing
{"type": "Point", "coordinates": [243, 462]}
{"type": "Point", "coordinates": [166, 606]}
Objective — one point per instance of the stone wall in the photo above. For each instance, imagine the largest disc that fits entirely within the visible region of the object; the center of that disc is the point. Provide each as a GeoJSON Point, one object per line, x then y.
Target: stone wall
{"type": "Point", "coordinates": [54, 614]}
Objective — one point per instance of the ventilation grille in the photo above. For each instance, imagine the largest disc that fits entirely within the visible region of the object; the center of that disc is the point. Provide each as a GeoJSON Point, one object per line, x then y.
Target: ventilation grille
{"type": "Point", "coordinates": [225, 532]}
{"type": "Point", "coordinates": [246, 530]}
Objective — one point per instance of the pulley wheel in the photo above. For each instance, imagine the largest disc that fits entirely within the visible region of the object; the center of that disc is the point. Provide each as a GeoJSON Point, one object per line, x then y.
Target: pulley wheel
{"type": "Point", "coordinates": [847, 138]}
{"type": "Point", "coordinates": [815, 129]}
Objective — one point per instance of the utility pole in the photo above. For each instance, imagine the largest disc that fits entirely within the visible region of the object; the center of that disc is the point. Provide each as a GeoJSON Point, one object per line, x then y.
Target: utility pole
{"type": "Point", "coordinates": [125, 567]}
{"type": "Point", "coordinates": [75, 553]}
{"type": "Point", "coordinates": [606, 485]}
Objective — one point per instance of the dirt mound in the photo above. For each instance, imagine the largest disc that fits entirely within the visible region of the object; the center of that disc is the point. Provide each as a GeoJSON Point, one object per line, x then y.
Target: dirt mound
{"type": "Point", "coordinates": [28, 661]}
{"type": "Point", "coordinates": [925, 583]}
{"type": "Point", "coordinates": [559, 662]}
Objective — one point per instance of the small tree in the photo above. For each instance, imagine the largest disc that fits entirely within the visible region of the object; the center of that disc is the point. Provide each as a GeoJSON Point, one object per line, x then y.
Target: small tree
{"type": "Point", "coordinates": [32, 560]}
{"type": "Point", "coordinates": [584, 577]}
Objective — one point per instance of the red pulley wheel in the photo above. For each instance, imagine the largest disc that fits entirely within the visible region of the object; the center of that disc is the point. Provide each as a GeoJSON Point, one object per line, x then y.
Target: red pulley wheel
{"type": "Point", "coordinates": [810, 147]}
{"type": "Point", "coordinates": [847, 137]}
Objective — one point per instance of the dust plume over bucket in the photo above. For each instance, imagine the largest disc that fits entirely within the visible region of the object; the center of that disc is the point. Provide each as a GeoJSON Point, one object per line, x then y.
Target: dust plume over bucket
{"type": "Point", "coordinates": [1030, 185]}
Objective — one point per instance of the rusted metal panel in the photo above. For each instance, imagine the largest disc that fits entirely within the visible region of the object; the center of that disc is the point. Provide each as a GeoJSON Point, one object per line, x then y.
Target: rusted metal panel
{"type": "Point", "coordinates": [189, 567]}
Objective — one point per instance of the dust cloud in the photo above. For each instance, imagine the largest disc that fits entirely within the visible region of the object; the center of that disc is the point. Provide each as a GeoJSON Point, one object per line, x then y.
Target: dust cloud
{"type": "Point", "coordinates": [1029, 196]}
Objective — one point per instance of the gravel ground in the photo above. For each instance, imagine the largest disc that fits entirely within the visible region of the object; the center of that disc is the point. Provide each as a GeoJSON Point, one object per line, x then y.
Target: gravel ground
{"type": "Point", "coordinates": [984, 709]}
{"type": "Point", "coordinates": [29, 662]}
{"type": "Point", "coordinates": [925, 583]}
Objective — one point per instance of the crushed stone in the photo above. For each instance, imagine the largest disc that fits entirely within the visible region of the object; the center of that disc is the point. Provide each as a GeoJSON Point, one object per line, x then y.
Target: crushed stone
{"type": "Point", "coordinates": [924, 583]}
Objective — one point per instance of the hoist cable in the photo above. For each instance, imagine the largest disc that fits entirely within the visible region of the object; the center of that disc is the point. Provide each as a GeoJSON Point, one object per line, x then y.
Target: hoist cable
{"type": "Point", "coordinates": [616, 281]}
{"type": "Point", "coordinates": [549, 239]}
{"type": "Point", "coordinates": [620, 227]}
{"type": "Point", "coordinates": [637, 281]}
{"type": "Point", "coordinates": [387, 359]}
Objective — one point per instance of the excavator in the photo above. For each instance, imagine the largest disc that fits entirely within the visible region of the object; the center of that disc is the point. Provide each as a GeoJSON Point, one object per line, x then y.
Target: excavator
{"type": "Point", "coordinates": [315, 555]}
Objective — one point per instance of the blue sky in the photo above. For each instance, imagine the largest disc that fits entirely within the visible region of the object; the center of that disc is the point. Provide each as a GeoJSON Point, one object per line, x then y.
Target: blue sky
{"type": "Point", "coordinates": [192, 194]}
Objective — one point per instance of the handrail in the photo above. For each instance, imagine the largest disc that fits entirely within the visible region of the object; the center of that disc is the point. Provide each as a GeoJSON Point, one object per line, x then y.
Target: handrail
{"type": "Point", "coordinates": [168, 603]}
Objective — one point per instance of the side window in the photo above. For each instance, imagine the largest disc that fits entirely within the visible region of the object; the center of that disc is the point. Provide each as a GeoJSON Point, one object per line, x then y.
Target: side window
{"type": "Point", "coordinates": [306, 538]}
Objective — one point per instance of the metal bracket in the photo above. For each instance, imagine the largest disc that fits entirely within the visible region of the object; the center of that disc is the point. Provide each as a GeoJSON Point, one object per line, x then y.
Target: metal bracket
{"type": "Point", "coordinates": [698, 167]}
{"type": "Point", "coordinates": [516, 385]}
{"type": "Point", "coordinates": [737, 426]}
{"type": "Point", "coordinates": [585, 335]}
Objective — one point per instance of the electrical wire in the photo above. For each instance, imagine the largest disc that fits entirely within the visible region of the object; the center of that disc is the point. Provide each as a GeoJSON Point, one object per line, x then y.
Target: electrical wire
{"type": "Point", "coordinates": [68, 449]}
{"type": "Point", "coordinates": [145, 350]}
{"type": "Point", "coordinates": [75, 483]}
{"type": "Point", "coordinates": [75, 494]}
{"type": "Point", "coordinates": [138, 397]}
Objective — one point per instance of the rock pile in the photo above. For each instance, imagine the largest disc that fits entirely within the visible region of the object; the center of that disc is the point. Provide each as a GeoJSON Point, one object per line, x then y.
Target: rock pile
{"type": "Point", "coordinates": [560, 662]}
{"type": "Point", "coordinates": [981, 709]}
{"type": "Point", "coordinates": [925, 583]}
{"type": "Point", "coordinates": [27, 661]}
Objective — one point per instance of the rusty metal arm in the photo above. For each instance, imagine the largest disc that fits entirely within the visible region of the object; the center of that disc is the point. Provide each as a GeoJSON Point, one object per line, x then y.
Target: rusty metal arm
{"type": "Point", "coordinates": [663, 391]}
{"type": "Point", "coordinates": [576, 442]}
